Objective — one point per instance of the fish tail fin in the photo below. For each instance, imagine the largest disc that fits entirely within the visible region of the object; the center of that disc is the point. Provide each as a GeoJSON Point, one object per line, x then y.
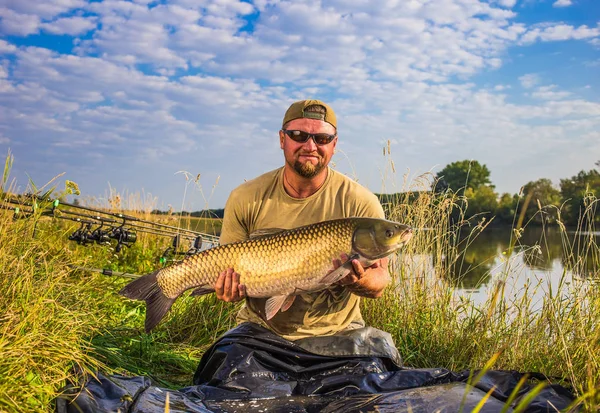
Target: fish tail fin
{"type": "Point", "coordinates": [157, 303]}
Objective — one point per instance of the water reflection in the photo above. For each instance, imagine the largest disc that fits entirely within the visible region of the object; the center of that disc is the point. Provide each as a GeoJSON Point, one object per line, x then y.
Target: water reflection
{"type": "Point", "coordinates": [537, 249]}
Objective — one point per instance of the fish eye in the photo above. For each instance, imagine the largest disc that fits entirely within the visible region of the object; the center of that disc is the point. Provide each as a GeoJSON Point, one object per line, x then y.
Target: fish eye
{"type": "Point", "coordinates": [389, 233]}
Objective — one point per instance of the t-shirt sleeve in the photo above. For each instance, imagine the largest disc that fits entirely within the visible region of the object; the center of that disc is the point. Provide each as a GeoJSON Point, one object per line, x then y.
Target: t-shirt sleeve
{"type": "Point", "coordinates": [368, 205]}
{"type": "Point", "coordinates": [234, 228]}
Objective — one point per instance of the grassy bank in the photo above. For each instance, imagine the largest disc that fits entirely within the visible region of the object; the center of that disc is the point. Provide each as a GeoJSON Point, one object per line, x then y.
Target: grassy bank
{"type": "Point", "coordinates": [56, 321]}
{"type": "Point", "coordinates": [433, 326]}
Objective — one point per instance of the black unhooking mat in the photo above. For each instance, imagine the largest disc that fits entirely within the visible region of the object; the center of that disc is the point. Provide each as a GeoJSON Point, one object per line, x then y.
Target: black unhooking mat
{"type": "Point", "coordinates": [250, 369]}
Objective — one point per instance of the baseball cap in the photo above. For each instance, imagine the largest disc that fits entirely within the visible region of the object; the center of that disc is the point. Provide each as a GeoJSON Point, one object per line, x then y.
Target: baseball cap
{"type": "Point", "coordinates": [297, 110]}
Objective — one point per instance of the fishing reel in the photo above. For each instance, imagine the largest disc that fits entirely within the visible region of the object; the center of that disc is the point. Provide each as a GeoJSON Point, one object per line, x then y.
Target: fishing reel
{"type": "Point", "coordinates": [173, 249]}
{"type": "Point", "coordinates": [82, 235]}
{"type": "Point", "coordinates": [196, 246]}
{"type": "Point", "coordinates": [100, 236]}
{"type": "Point", "coordinates": [125, 237]}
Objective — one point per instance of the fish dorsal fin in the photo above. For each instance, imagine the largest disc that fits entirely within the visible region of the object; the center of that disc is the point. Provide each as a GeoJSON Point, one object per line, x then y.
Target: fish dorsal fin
{"type": "Point", "coordinates": [265, 232]}
{"type": "Point", "coordinates": [340, 272]}
{"type": "Point", "coordinates": [274, 304]}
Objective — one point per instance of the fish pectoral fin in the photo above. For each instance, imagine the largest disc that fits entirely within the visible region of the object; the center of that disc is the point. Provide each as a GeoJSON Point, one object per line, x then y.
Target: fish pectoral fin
{"type": "Point", "coordinates": [265, 232]}
{"type": "Point", "coordinates": [276, 303]}
{"type": "Point", "coordinates": [202, 290]}
{"type": "Point", "coordinates": [340, 272]}
{"type": "Point", "coordinates": [288, 303]}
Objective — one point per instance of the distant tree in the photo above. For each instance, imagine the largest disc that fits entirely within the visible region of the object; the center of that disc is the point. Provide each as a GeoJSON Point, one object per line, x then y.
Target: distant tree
{"type": "Point", "coordinates": [483, 200]}
{"type": "Point", "coordinates": [574, 192]}
{"type": "Point", "coordinates": [463, 174]}
{"type": "Point", "coordinates": [544, 195]}
{"type": "Point", "coordinates": [507, 208]}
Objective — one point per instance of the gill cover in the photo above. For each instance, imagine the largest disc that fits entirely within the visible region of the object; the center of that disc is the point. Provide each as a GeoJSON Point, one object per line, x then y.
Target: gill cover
{"type": "Point", "coordinates": [377, 238]}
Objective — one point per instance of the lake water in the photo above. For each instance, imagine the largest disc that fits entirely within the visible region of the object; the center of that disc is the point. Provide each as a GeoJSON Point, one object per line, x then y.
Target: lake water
{"type": "Point", "coordinates": [541, 259]}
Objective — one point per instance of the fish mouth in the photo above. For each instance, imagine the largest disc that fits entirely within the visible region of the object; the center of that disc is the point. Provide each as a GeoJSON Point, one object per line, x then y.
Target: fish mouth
{"type": "Point", "coordinates": [406, 236]}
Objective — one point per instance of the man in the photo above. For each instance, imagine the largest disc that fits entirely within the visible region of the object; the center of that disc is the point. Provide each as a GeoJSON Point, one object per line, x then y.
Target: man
{"type": "Point", "coordinates": [304, 191]}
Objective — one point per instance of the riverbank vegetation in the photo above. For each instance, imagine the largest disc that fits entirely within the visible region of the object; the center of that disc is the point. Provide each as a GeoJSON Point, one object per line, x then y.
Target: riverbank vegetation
{"type": "Point", "coordinates": [539, 202]}
{"type": "Point", "coordinates": [59, 323]}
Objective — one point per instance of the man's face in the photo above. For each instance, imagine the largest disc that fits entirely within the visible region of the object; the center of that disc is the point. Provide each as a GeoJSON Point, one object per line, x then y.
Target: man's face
{"type": "Point", "coordinates": [308, 158]}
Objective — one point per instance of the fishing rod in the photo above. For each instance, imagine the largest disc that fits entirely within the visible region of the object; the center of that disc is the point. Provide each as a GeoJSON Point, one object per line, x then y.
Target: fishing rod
{"type": "Point", "coordinates": [125, 236]}
{"type": "Point", "coordinates": [103, 220]}
{"type": "Point", "coordinates": [133, 220]}
{"type": "Point", "coordinates": [106, 271]}
{"type": "Point", "coordinates": [18, 212]}
{"type": "Point", "coordinates": [56, 202]}
{"type": "Point", "coordinates": [128, 217]}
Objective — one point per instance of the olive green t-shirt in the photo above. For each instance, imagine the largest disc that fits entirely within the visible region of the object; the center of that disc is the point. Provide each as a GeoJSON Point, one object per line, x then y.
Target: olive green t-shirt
{"type": "Point", "coordinates": [263, 203]}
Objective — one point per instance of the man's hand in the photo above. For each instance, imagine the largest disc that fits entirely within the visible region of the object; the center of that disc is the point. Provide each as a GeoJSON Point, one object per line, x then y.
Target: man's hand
{"type": "Point", "coordinates": [228, 287]}
{"type": "Point", "coordinates": [366, 282]}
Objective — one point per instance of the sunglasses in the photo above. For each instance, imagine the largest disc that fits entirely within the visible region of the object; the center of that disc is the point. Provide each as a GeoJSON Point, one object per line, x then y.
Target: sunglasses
{"type": "Point", "coordinates": [301, 136]}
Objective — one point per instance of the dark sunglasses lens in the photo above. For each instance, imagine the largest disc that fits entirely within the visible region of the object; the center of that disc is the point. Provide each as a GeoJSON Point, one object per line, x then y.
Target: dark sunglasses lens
{"type": "Point", "coordinates": [297, 135]}
{"type": "Point", "coordinates": [323, 138]}
{"type": "Point", "coordinates": [301, 137]}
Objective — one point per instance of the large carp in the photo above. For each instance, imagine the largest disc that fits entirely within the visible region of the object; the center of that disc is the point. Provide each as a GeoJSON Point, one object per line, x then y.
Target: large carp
{"type": "Point", "coordinates": [273, 263]}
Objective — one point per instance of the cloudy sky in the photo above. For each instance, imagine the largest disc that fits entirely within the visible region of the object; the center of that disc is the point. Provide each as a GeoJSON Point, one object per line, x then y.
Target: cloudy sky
{"type": "Point", "coordinates": [127, 93]}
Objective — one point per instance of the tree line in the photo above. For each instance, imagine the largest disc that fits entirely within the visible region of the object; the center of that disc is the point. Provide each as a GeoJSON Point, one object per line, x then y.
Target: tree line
{"type": "Point", "coordinates": [538, 201]}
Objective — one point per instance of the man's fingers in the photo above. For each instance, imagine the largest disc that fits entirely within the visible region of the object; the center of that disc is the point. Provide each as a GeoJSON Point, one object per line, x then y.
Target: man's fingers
{"type": "Point", "coordinates": [220, 284]}
{"type": "Point", "coordinates": [227, 286]}
{"type": "Point", "coordinates": [348, 279]}
{"type": "Point", "coordinates": [358, 268]}
{"type": "Point", "coordinates": [235, 282]}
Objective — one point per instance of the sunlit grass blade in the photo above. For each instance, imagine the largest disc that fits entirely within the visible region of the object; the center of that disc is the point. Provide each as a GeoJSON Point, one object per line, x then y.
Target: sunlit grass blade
{"type": "Point", "coordinates": [483, 400]}
{"type": "Point", "coordinates": [513, 395]}
{"type": "Point", "coordinates": [528, 398]}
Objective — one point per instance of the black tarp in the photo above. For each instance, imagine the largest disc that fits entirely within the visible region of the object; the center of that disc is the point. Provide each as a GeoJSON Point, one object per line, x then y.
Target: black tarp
{"type": "Point", "coordinates": [250, 369]}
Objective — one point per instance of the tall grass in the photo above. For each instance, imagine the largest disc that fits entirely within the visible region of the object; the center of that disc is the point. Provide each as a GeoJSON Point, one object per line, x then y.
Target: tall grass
{"type": "Point", "coordinates": [57, 323]}
{"type": "Point", "coordinates": [433, 326]}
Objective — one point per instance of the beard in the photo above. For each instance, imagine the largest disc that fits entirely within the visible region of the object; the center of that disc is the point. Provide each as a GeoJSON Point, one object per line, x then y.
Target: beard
{"type": "Point", "coordinates": [307, 169]}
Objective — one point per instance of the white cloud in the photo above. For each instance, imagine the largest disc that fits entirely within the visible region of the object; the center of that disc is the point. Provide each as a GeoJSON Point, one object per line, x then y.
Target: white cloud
{"type": "Point", "coordinates": [559, 32]}
{"type": "Point", "coordinates": [70, 25]}
{"type": "Point", "coordinates": [163, 86]}
{"type": "Point", "coordinates": [529, 80]}
{"type": "Point", "coordinates": [13, 23]}
{"type": "Point", "coordinates": [6, 47]}
{"type": "Point", "coordinates": [507, 3]}
{"type": "Point", "coordinates": [562, 3]}
{"type": "Point", "coordinates": [43, 9]}
{"type": "Point", "coordinates": [25, 17]}
{"type": "Point", "coordinates": [550, 93]}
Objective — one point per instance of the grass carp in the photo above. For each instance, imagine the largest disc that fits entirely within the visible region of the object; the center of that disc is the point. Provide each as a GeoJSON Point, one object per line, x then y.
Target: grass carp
{"type": "Point", "coordinates": [273, 263]}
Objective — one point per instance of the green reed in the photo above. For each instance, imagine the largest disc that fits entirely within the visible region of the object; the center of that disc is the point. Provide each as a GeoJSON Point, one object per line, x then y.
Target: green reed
{"type": "Point", "coordinates": [58, 324]}
{"type": "Point", "coordinates": [433, 326]}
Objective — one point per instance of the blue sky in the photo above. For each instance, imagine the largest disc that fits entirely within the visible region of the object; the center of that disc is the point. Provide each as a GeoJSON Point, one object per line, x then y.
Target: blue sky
{"type": "Point", "coordinates": [124, 95]}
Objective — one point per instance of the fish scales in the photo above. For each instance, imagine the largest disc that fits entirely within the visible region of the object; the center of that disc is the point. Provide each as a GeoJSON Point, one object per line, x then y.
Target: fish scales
{"type": "Point", "coordinates": [267, 266]}
{"type": "Point", "coordinates": [276, 265]}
